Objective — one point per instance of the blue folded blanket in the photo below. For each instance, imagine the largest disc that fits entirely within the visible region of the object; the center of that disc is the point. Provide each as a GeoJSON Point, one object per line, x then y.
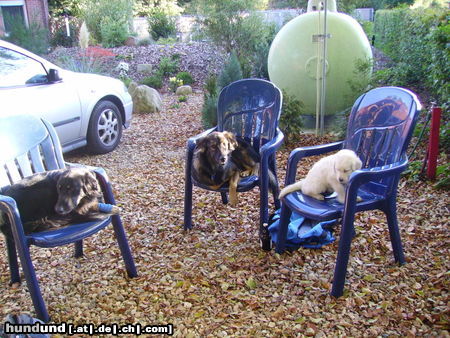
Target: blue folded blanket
{"type": "Point", "coordinates": [303, 232]}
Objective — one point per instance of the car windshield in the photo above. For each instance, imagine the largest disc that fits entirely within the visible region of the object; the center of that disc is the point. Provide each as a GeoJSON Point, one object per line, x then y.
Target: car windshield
{"type": "Point", "coordinates": [19, 70]}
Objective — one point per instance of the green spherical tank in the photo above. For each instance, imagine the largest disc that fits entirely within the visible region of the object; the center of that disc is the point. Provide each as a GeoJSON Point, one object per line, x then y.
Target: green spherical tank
{"type": "Point", "coordinates": [295, 62]}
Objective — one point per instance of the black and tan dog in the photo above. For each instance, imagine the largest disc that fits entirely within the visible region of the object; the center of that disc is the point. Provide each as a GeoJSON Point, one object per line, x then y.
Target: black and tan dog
{"type": "Point", "coordinates": [221, 157]}
{"type": "Point", "coordinates": [55, 198]}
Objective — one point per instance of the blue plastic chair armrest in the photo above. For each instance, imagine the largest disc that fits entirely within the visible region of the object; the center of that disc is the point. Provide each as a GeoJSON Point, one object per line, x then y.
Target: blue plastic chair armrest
{"type": "Point", "coordinates": [8, 205]}
{"type": "Point", "coordinates": [270, 147]}
{"type": "Point", "coordinates": [192, 140]}
{"type": "Point", "coordinates": [363, 176]}
{"type": "Point", "coordinates": [297, 154]}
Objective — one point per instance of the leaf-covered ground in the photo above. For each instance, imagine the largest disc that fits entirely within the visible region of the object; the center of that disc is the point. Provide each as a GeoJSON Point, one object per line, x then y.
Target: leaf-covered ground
{"type": "Point", "coordinates": [214, 280]}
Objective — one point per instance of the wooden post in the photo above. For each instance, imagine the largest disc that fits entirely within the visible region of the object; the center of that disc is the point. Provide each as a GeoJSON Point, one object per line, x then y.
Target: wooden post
{"type": "Point", "coordinates": [433, 144]}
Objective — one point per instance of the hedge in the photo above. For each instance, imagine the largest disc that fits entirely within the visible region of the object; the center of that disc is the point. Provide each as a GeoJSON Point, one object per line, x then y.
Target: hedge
{"type": "Point", "coordinates": [417, 41]}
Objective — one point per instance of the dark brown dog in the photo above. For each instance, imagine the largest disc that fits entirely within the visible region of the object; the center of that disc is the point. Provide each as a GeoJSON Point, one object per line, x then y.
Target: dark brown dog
{"type": "Point", "coordinates": [55, 198]}
{"type": "Point", "coordinates": [221, 157]}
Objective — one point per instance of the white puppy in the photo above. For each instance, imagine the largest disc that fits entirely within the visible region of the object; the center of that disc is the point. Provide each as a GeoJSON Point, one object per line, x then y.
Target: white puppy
{"type": "Point", "coordinates": [327, 175]}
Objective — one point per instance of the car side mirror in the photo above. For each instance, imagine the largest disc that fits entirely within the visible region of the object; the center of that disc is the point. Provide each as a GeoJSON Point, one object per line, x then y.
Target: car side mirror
{"type": "Point", "coordinates": [53, 76]}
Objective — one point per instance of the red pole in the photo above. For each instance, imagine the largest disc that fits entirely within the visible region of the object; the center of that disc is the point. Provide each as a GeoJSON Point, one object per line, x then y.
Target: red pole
{"type": "Point", "coordinates": [433, 144]}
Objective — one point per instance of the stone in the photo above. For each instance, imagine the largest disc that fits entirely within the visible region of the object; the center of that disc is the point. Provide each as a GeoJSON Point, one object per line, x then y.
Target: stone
{"type": "Point", "coordinates": [146, 100]}
{"type": "Point", "coordinates": [132, 87]}
{"type": "Point", "coordinates": [131, 41]}
{"type": "Point", "coordinates": [184, 90]}
{"type": "Point", "coordinates": [144, 68]}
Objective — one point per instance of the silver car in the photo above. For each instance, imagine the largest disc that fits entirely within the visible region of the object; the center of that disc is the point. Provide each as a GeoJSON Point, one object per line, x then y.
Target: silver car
{"type": "Point", "coordinates": [86, 109]}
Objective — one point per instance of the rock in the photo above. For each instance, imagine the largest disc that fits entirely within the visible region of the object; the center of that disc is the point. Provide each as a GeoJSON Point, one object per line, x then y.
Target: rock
{"type": "Point", "coordinates": [132, 87]}
{"type": "Point", "coordinates": [144, 68]}
{"type": "Point", "coordinates": [184, 90]}
{"type": "Point", "coordinates": [130, 41]}
{"type": "Point", "coordinates": [146, 100]}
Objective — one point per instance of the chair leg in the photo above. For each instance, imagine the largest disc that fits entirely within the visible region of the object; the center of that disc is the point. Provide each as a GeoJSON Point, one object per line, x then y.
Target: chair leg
{"type": "Point", "coordinates": [285, 216]}
{"type": "Point", "coordinates": [12, 260]}
{"type": "Point", "coordinates": [123, 245]}
{"type": "Point", "coordinates": [78, 249]}
{"type": "Point", "coordinates": [394, 233]}
{"type": "Point", "coordinates": [32, 282]}
{"type": "Point", "coordinates": [188, 192]}
{"type": "Point", "coordinates": [340, 270]}
{"type": "Point", "coordinates": [224, 197]}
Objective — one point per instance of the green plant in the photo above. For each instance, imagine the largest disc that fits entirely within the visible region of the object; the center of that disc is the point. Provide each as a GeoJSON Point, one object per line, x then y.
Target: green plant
{"type": "Point", "coordinates": [145, 42]}
{"type": "Point", "coordinates": [114, 33]}
{"type": "Point", "coordinates": [154, 81]}
{"type": "Point", "coordinates": [290, 120]}
{"type": "Point", "coordinates": [167, 66]}
{"type": "Point", "coordinates": [82, 64]}
{"type": "Point", "coordinates": [231, 71]}
{"type": "Point", "coordinates": [59, 33]}
{"type": "Point", "coordinates": [147, 7]}
{"type": "Point", "coordinates": [174, 83]}
{"type": "Point", "coordinates": [209, 109]}
{"type": "Point", "coordinates": [34, 38]}
{"type": "Point", "coordinates": [225, 25]}
{"type": "Point", "coordinates": [443, 176]}
{"type": "Point", "coordinates": [416, 41]}
{"type": "Point", "coordinates": [185, 77]}
{"type": "Point", "coordinates": [108, 21]}
{"type": "Point", "coordinates": [126, 81]}
{"type": "Point", "coordinates": [182, 98]}
{"type": "Point", "coordinates": [167, 41]}
{"type": "Point", "coordinates": [161, 25]}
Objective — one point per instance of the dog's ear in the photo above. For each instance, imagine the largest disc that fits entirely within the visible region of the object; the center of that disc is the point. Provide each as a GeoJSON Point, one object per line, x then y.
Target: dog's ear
{"type": "Point", "coordinates": [90, 183]}
{"type": "Point", "coordinates": [201, 143]}
{"type": "Point", "coordinates": [357, 164]}
{"type": "Point", "coordinates": [231, 138]}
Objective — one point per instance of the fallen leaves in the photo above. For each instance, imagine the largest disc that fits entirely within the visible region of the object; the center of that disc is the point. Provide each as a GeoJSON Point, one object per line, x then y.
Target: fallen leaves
{"type": "Point", "coordinates": [214, 280]}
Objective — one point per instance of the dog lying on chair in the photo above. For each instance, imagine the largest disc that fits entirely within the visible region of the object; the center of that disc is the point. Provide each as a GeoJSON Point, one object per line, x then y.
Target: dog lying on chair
{"type": "Point", "coordinates": [221, 157]}
{"type": "Point", "coordinates": [56, 198]}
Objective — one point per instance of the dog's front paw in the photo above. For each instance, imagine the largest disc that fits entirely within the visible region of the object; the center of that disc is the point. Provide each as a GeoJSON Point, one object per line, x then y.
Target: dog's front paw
{"type": "Point", "coordinates": [115, 210]}
{"type": "Point", "coordinates": [233, 201]}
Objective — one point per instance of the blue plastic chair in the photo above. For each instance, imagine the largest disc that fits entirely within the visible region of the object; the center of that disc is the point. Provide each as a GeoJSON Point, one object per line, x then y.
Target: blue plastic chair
{"type": "Point", "coordinates": [250, 108]}
{"type": "Point", "coordinates": [379, 130]}
{"type": "Point", "coordinates": [29, 145]}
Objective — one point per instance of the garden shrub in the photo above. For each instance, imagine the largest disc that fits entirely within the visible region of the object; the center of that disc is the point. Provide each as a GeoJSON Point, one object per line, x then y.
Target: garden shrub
{"type": "Point", "coordinates": [209, 109]}
{"type": "Point", "coordinates": [59, 33]}
{"type": "Point", "coordinates": [161, 25]}
{"type": "Point", "coordinates": [33, 38]}
{"type": "Point", "coordinates": [108, 21]}
{"type": "Point", "coordinates": [416, 40]}
{"type": "Point", "coordinates": [290, 120]}
{"type": "Point", "coordinates": [168, 66]}
{"type": "Point", "coordinates": [154, 81]}
{"type": "Point", "coordinates": [231, 72]}
{"type": "Point", "coordinates": [186, 77]}
{"type": "Point", "coordinates": [224, 24]}
{"type": "Point", "coordinates": [114, 33]}
{"type": "Point", "coordinates": [82, 63]}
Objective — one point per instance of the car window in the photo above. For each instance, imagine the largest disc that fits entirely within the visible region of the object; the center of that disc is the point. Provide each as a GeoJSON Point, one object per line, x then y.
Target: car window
{"type": "Point", "coordinates": [19, 70]}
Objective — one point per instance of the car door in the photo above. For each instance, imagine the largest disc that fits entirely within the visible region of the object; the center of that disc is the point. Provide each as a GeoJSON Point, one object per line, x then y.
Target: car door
{"type": "Point", "coordinates": [25, 89]}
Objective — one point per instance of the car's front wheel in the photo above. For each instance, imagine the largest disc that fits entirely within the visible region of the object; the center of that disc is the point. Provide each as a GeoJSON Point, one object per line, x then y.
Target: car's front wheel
{"type": "Point", "coordinates": [105, 128]}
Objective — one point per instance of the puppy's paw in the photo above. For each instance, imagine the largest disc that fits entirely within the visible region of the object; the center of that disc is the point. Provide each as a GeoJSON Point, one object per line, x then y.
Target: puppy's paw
{"type": "Point", "coordinates": [341, 199]}
{"type": "Point", "coordinates": [115, 210]}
